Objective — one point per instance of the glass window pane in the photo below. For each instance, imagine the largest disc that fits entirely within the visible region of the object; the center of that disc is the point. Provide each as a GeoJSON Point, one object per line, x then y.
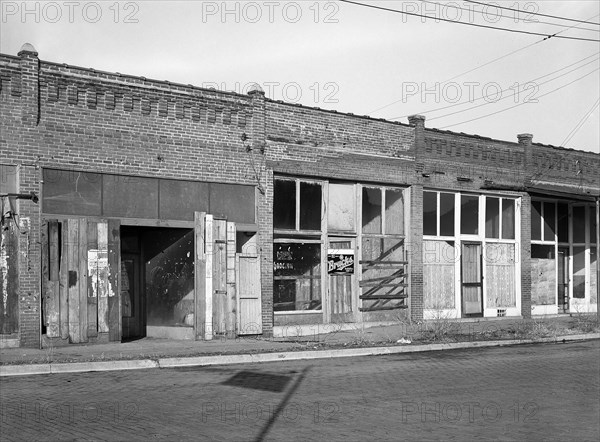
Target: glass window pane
{"type": "Point", "coordinates": [284, 205]}
{"type": "Point", "coordinates": [469, 215]}
{"type": "Point", "coordinates": [536, 220]}
{"type": "Point", "coordinates": [579, 224]}
{"type": "Point", "coordinates": [592, 212]}
{"type": "Point", "coordinates": [563, 223]}
{"type": "Point", "coordinates": [310, 206]}
{"type": "Point", "coordinates": [297, 276]}
{"type": "Point", "coordinates": [492, 217]}
{"type": "Point", "coordinates": [429, 213]}
{"type": "Point", "coordinates": [579, 272]}
{"type": "Point", "coordinates": [371, 210]}
{"type": "Point", "coordinates": [508, 219]}
{"type": "Point", "coordinates": [447, 214]}
{"type": "Point", "coordinates": [394, 211]}
{"type": "Point", "coordinates": [341, 215]}
{"type": "Point", "coordinates": [549, 217]}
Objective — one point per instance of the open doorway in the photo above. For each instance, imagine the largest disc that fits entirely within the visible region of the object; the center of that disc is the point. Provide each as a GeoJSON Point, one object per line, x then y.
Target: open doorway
{"type": "Point", "coordinates": [157, 282]}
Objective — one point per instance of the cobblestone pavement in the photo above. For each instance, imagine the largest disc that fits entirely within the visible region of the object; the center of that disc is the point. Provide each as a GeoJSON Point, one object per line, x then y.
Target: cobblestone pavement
{"type": "Point", "coordinates": [529, 392]}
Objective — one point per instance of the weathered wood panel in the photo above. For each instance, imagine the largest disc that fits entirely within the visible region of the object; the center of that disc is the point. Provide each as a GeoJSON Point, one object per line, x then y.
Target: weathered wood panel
{"type": "Point", "coordinates": [83, 279]}
{"type": "Point", "coordinates": [231, 297]}
{"type": "Point", "coordinates": [9, 279]}
{"type": "Point", "coordinates": [92, 279]}
{"type": "Point", "coordinates": [249, 314]}
{"type": "Point", "coordinates": [72, 252]}
{"type": "Point", "coordinates": [199, 275]}
{"type": "Point", "coordinates": [220, 277]}
{"type": "Point", "coordinates": [103, 287]}
{"type": "Point", "coordinates": [208, 277]}
{"type": "Point", "coordinates": [53, 284]}
{"type": "Point", "coordinates": [114, 294]}
{"type": "Point", "coordinates": [64, 284]}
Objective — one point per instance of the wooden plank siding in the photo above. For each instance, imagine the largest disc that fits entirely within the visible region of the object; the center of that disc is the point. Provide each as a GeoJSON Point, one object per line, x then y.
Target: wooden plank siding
{"type": "Point", "coordinates": [92, 278]}
{"type": "Point", "coordinates": [231, 294]}
{"type": "Point", "coordinates": [114, 279]}
{"type": "Point", "coordinates": [199, 275]}
{"type": "Point", "coordinates": [53, 284]}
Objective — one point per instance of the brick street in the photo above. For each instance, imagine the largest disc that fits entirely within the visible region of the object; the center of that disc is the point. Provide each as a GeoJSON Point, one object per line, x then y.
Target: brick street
{"type": "Point", "coordinates": [529, 392]}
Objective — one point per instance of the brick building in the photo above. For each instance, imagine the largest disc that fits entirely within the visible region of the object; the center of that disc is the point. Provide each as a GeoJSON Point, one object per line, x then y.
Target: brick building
{"type": "Point", "coordinates": [135, 207]}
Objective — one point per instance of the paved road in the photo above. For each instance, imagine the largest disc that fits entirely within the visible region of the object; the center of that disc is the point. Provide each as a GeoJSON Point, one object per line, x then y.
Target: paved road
{"type": "Point", "coordinates": [529, 392]}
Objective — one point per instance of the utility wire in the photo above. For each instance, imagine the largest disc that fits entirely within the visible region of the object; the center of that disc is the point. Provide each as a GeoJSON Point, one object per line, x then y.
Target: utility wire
{"type": "Point", "coordinates": [520, 104]}
{"type": "Point", "coordinates": [479, 67]}
{"type": "Point", "coordinates": [580, 124]}
{"type": "Point", "coordinates": [450, 5]}
{"type": "Point", "coordinates": [547, 36]}
{"type": "Point", "coordinates": [534, 13]}
{"type": "Point", "coordinates": [505, 90]}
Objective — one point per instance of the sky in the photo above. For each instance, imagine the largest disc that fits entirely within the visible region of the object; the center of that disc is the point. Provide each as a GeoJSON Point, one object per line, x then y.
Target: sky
{"type": "Point", "coordinates": [348, 57]}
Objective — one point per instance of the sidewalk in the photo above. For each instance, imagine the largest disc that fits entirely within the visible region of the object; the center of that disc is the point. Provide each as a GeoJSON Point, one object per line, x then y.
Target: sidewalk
{"type": "Point", "coordinates": [400, 338]}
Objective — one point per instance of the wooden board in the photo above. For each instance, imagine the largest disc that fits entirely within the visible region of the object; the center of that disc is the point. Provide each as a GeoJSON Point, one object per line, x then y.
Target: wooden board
{"type": "Point", "coordinates": [220, 276]}
{"type": "Point", "coordinates": [114, 294]}
{"type": "Point", "coordinates": [199, 275]}
{"type": "Point", "coordinates": [92, 279]}
{"type": "Point", "coordinates": [83, 279]}
{"type": "Point", "coordinates": [103, 278]}
{"type": "Point", "coordinates": [64, 284]}
{"type": "Point", "coordinates": [231, 297]}
{"type": "Point", "coordinates": [208, 278]}
{"type": "Point", "coordinates": [249, 312]}
{"type": "Point", "coordinates": [45, 272]}
{"type": "Point", "coordinates": [9, 279]}
{"type": "Point", "coordinates": [53, 284]}
{"type": "Point", "coordinates": [72, 252]}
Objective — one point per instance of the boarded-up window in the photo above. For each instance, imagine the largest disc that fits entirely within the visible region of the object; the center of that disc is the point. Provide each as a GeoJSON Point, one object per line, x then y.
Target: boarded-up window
{"type": "Point", "coordinates": [180, 199]}
{"type": "Point", "coordinates": [341, 208]}
{"type": "Point", "coordinates": [130, 197]}
{"type": "Point", "coordinates": [593, 275]}
{"type": "Point", "coordinates": [296, 276]}
{"type": "Point", "coordinates": [500, 268]}
{"type": "Point", "coordinates": [439, 258]}
{"type": "Point", "coordinates": [543, 274]}
{"type": "Point", "coordinates": [233, 201]}
{"type": "Point", "coordinates": [371, 210]}
{"type": "Point", "coordinates": [72, 193]}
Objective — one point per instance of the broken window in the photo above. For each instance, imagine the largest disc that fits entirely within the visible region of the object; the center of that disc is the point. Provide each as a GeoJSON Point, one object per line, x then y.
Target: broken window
{"type": "Point", "coordinates": [296, 276]}
{"type": "Point", "coordinates": [297, 205]}
{"type": "Point", "coordinates": [371, 210]}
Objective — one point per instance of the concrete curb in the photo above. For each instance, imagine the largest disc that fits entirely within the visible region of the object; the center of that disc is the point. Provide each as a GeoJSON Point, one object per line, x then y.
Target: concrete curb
{"type": "Point", "coordinates": [200, 361]}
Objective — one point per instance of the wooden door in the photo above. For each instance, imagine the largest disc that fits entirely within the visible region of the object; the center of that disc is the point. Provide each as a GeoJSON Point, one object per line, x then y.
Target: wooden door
{"type": "Point", "coordinates": [132, 310]}
{"type": "Point", "coordinates": [249, 310]}
{"type": "Point", "coordinates": [341, 274]}
{"type": "Point", "coordinates": [472, 293]}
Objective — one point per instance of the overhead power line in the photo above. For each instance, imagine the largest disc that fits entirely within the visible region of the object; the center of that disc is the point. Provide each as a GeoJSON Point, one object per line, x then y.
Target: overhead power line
{"type": "Point", "coordinates": [455, 6]}
{"type": "Point", "coordinates": [505, 90]}
{"type": "Point", "coordinates": [520, 104]}
{"type": "Point", "coordinates": [469, 24]}
{"type": "Point", "coordinates": [533, 13]}
{"type": "Point", "coordinates": [580, 124]}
